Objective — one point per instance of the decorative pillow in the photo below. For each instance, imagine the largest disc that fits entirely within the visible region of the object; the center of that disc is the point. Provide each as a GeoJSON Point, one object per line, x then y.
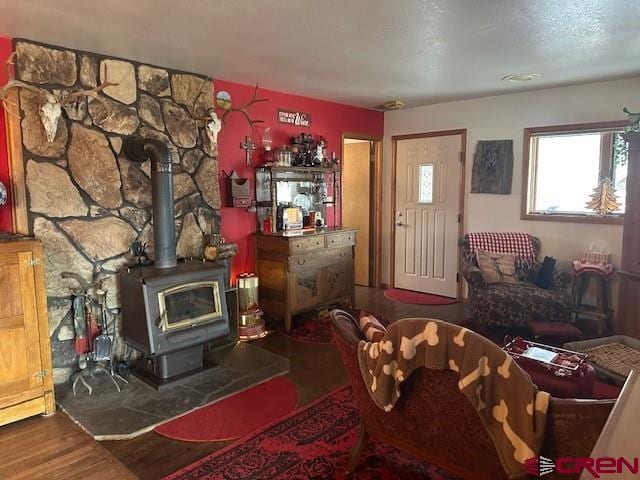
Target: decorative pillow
{"type": "Point", "coordinates": [371, 327]}
{"type": "Point", "coordinates": [497, 267]}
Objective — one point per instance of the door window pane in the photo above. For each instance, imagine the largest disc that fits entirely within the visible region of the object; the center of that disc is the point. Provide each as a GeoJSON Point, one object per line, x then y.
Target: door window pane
{"type": "Point", "coordinates": [425, 185]}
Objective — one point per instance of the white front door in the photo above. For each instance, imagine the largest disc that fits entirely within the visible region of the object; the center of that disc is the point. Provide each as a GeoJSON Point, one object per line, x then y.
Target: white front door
{"type": "Point", "coordinates": [427, 208]}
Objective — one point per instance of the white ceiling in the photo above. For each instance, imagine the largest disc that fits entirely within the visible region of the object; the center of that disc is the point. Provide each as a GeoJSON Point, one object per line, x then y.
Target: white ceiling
{"type": "Point", "coordinates": [359, 52]}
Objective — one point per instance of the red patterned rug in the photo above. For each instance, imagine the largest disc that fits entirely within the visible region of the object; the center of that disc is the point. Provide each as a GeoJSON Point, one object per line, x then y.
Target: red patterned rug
{"type": "Point", "coordinates": [235, 416]}
{"type": "Point", "coordinates": [313, 442]}
{"type": "Point", "coordinates": [417, 298]}
{"type": "Point", "coordinates": [313, 327]}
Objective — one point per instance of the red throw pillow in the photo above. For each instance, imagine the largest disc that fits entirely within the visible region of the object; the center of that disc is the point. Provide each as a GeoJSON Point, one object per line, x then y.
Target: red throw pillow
{"type": "Point", "coordinates": [372, 329]}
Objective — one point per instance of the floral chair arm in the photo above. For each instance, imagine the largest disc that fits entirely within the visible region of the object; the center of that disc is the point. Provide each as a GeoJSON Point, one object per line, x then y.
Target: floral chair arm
{"type": "Point", "coordinates": [473, 276]}
{"type": "Point", "coordinates": [562, 279]}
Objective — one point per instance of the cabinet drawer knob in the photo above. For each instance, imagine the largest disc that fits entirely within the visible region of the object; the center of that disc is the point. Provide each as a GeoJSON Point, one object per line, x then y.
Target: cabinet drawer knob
{"type": "Point", "coordinates": [302, 261]}
{"type": "Point", "coordinates": [332, 241]}
{"type": "Point", "coordinates": [349, 237]}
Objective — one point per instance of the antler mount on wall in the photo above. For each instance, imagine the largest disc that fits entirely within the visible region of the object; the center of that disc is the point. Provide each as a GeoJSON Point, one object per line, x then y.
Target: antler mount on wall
{"type": "Point", "coordinates": [51, 103]}
{"type": "Point", "coordinates": [214, 124]}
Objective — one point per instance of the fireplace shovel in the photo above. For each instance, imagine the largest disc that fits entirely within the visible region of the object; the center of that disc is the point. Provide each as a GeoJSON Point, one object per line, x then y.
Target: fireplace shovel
{"type": "Point", "coordinates": [102, 343]}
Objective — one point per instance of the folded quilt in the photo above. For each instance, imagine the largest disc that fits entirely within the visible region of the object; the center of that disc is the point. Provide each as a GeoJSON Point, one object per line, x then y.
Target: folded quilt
{"type": "Point", "coordinates": [511, 408]}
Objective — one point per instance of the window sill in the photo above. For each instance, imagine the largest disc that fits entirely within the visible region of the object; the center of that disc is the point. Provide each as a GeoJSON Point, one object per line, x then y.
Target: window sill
{"type": "Point", "coordinates": [559, 217]}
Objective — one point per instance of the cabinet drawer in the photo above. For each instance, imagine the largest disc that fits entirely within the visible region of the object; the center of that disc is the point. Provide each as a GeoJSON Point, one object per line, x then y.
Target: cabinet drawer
{"type": "Point", "coordinates": [301, 245]}
{"type": "Point", "coordinates": [320, 258]}
{"type": "Point", "coordinates": [340, 239]}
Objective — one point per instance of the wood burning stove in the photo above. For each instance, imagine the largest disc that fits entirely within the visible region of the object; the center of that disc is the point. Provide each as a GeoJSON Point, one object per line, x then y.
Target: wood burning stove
{"type": "Point", "coordinates": [170, 314]}
{"type": "Point", "coordinates": [171, 310]}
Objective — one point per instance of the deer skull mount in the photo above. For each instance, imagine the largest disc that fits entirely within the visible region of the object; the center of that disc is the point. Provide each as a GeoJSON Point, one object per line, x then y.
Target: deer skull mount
{"type": "Point", "coordinates": [213, 127]}
{"type": "Point", "coordinates": [51, 104]}
{"type": "Point", "coordinates": [50, 111]}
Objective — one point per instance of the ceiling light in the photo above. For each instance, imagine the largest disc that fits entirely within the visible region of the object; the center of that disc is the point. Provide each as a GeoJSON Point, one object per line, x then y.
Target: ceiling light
{"type": "Point", "coordinates": [393, 105]}
{"type": "Point", "coordinates": [521, 77]}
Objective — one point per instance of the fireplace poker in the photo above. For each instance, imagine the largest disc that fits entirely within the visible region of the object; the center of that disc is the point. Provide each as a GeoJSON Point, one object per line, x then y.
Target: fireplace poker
{"type": "Point", "coordinates": [102, 343]}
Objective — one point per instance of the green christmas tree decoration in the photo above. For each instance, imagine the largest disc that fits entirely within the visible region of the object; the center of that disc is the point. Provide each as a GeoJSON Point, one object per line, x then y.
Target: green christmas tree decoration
{"type": "Point", "coordinates": [604, 199]}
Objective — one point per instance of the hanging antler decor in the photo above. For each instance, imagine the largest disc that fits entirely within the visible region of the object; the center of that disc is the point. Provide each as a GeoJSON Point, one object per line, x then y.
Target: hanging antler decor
{"type": "Point", "coordinates": [244, 110]}
{"type": "Point", "coordinates": [51, 103]}
{"type": "Point", "coordinates": [214, 124]}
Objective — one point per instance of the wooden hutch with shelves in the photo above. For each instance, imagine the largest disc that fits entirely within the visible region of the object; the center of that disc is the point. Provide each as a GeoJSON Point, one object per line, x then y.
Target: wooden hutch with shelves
{"type": "Point", "coordinates": [309, 268]}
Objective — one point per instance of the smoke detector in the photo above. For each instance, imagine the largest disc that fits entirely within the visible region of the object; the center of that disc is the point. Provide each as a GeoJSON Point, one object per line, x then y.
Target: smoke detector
{"type": "Point", "coordinates": [521, 77]}
{"type": "Point", "coordinates": [393, 105]}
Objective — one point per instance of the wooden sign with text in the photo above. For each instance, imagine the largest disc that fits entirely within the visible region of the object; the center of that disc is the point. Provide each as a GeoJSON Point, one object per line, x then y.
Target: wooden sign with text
{"type": "Point", "coordinates": [299, 119]}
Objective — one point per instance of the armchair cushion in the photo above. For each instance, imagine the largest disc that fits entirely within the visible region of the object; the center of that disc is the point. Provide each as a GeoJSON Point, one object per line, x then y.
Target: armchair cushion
{"type": "Point", "coordinates": [497, 267]}
{"type": "Point", "coordinates": [371, 328]}
{"type": "Point", "coordinates": [516, 305]}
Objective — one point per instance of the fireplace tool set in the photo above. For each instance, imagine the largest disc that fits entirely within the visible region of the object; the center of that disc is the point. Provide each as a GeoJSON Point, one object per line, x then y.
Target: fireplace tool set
{"type": "Point", "coordinates": [93, 344]}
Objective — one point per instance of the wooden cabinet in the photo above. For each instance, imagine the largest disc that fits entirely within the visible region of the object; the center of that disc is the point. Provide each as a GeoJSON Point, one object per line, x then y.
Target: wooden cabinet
{"type": "Point", "coordinates": [26, 385]}
{"type": "Point", "coordinates": [303, 272]}
{"type": "Point", "coordinates": [628, 315]}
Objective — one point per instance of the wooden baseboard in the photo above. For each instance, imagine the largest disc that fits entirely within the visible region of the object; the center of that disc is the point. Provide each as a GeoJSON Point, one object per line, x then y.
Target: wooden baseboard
{"type": "Point", "coordinates": [22, 410]}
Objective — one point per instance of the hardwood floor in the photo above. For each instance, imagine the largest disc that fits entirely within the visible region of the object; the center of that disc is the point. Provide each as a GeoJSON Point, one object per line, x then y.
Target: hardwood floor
{"type": "Point", "coordinates": [67, 452]}
{"type": "Point", "coordinates": [55, 448]}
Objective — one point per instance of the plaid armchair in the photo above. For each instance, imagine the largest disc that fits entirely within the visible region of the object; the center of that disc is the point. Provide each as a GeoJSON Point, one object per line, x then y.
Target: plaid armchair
{"type": "Point", "coordinates": [508, 305]}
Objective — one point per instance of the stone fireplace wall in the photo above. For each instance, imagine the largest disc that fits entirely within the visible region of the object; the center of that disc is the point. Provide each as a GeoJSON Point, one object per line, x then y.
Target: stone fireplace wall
{"type": "Point", "coordinates": [86, 201]}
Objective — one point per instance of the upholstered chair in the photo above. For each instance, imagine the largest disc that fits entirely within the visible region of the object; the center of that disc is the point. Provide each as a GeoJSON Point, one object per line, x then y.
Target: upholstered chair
{"type": "Point", "coordinates": [434, 421]}
{"type": "Point", "coordinates": [515, 305]}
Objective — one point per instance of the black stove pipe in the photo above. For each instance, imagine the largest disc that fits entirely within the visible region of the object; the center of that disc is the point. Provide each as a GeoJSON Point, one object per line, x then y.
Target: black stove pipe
{"type": "Point", "coordinates": [139, 149]}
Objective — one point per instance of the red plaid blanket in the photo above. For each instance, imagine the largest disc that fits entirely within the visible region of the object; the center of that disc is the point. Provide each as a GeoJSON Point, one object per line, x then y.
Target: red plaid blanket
{"type": "Point", "coordinates": [503, 242]}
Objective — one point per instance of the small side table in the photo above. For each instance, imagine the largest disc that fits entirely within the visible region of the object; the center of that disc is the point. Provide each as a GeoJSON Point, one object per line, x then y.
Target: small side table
{"type": "Point", "coordinates": [585, 273]}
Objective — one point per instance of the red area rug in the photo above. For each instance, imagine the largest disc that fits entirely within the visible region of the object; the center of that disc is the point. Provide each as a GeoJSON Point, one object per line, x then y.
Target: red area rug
{"type": "Point", "coordinates": [417, 298]}
{"type": "Point", "coordinates": [235, 416]}
{"type": "Point", "coordinates": [313, 442]}
{"type": "Point", "coordinates": [313, 327]}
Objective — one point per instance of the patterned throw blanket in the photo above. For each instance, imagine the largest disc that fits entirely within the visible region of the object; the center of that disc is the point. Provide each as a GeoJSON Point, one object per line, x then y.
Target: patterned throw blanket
{"type": "Point", "coordinates": [504, 242]}
{"type": "Point", "coordinates": [510, 407]}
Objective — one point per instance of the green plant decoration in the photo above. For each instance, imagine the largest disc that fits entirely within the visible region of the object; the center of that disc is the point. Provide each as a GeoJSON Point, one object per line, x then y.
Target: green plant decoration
{"type": "Point", "coordinates": [634, 118]}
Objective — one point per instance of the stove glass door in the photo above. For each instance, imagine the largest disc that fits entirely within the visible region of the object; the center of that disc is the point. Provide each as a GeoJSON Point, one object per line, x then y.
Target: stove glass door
{"type": "Point", "coordinates": [188, 305]}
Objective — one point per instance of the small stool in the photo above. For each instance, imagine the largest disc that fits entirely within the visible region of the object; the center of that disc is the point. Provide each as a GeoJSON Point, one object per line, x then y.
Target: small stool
{"type": "Point", "coordinates": [584, 273]}
{"type": "Point", "coordinates": [558, 330]}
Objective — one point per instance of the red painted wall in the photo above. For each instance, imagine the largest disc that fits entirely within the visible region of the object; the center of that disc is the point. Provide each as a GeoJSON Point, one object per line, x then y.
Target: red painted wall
{"type": "Point", "coordinates": [5, 211]}
{"type": "Point", "coordinates": [328, 119]}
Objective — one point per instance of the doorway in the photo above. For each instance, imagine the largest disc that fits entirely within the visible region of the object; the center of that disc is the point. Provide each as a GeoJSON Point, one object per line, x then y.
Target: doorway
{"type": "Point", "coordinates": [427, 200]}
{"type": "Point", "coordinates": [361, 200]}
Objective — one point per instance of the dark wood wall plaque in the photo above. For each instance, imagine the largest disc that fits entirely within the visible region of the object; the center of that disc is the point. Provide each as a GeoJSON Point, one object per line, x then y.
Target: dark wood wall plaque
{"type": "Point", "coordinates": [291, 117]}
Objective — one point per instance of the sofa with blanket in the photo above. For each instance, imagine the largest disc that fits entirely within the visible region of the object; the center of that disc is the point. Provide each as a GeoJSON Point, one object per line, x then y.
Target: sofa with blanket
{"type": "Point", "coordinates": [436, 422]}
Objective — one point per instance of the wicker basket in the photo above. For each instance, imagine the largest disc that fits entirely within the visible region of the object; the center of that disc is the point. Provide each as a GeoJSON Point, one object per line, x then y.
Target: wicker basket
{"type": "Point", "coordinates": [612, 357]}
